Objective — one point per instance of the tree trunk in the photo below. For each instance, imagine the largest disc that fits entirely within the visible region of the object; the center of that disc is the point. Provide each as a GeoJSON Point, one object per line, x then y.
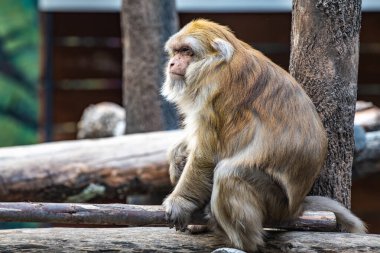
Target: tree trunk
{"type": "Point", "coordinates": [106, 169]}
{"type": "Point", "coordinates": [167, 240]}
{"type": "Point", "coordinates": [146, 25]}
{"type": "Point", "coordinates": [324, 59]}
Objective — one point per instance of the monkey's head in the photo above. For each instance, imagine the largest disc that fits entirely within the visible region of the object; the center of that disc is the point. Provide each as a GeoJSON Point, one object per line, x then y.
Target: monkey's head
{"type": "Point", "coordinates": [197, 53]}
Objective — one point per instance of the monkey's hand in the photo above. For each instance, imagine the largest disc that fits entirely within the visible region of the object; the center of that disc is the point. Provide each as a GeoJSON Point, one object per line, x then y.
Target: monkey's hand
{"type": "Point", "coordinates": [177, 160]}
{"type": "Point", "coordinates": [178, 211]}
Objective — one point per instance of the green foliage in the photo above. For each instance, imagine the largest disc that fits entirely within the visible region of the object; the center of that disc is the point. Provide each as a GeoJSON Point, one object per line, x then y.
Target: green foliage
{"type": "Point", "coordinates": [19, 70]}
{"type": "Point", "coordinates": [16, 132]}
{"type": "Point", "coordinates": [17, 100]}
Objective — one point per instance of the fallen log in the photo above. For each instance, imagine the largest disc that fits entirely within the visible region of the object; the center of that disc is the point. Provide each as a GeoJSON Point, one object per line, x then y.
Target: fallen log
{"type": "Point", "coordinates": [368, 116]}
{"type": "Point", "coordinates": [109, 169]}
{"type": "Point", "coordinates": [363, 105]}
{"type": "Point", "coordinates": [158, 239]}
{"type": "Point", "coordinates": [63, 171]}
{"type": "Point", "coordinates": [134, 215]}
{"type": "Point", "coordinates": [367, 161]}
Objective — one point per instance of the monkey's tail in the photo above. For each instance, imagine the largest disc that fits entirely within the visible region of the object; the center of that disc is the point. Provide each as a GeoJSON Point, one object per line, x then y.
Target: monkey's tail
{"type": "Point", "coordinates": [345, 218]}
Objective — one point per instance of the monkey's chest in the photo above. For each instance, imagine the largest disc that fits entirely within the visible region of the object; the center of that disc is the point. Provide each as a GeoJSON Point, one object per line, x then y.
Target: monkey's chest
{"type": "Point", "coordinates": [217, 142]}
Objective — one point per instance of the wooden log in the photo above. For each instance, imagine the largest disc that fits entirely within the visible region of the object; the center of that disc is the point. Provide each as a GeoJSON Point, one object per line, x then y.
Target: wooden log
{"type": "Point", "coordinates": [368, 118]}
{"type": "Point", "coordinates": [167, 240]}
{"type": "Point", "coordinates": [134, 215]}
{"type": "Point", "coordinates": [106, 169]}
{"type": "Point", "coordinates": [367, 161]}
{"type": "Point", "coordinates": [56, 171]}
{"type": "Point", "coordinates": [363, 105]}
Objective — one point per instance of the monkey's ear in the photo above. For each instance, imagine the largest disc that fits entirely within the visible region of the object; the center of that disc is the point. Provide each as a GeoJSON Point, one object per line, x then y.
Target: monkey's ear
{"type": "Point", "coordinates": [225, 48]}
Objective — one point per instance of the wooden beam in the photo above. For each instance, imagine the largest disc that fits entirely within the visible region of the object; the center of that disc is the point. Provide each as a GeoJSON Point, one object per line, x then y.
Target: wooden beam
{"type": "Point", "coordinates": [133, 215]}
{"type": "Point", "coordinates": [159, 239]}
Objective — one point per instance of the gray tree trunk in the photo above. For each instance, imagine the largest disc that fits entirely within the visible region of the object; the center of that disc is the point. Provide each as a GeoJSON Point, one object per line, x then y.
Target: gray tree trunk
{"type": "Point", "coordinates": [146, 25]}
{"type": "Point", "coordinates": [324, 59]}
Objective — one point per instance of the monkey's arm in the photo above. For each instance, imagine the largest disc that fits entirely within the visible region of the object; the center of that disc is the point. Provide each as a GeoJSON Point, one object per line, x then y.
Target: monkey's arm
{"type": "Point", "coordinates": [177, 161]}
{"type": "Point", "coordinates": [192, 192]}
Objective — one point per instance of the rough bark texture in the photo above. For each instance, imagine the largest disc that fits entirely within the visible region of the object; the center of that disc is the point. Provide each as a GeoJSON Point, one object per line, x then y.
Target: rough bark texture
{"type": "Point", "coordinates": [167, 240]}
{"type": "Point", "coordinates": [324, 59]}
{"type": "Point", "coordinates": [134, 215]}
{"type": "Point", "coordinates": [146, 25]}
{"type": "Point", "coordinates": [83, 170]}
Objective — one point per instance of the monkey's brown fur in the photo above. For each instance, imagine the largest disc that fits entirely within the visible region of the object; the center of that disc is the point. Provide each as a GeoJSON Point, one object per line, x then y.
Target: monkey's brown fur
{"type": "Point", "coordinates": [254, 142]}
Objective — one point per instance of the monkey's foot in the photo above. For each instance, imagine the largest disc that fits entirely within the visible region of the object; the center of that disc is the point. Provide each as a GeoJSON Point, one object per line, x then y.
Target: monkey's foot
{"type": "Point", "coordinates": [178, 211]}
{"type": "Point", "coordinates": [198, 229]}
{"type": "Point", "coordinates": [228, 250]}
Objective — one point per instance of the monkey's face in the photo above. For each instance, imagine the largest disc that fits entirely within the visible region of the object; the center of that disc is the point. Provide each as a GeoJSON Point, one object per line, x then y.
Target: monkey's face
{"type": "Point", "coordinates": [181, 51]}
{"type": "Point", "coordinates": [180, 60]}
{"type": "Point", "coordinates": [195, 53]}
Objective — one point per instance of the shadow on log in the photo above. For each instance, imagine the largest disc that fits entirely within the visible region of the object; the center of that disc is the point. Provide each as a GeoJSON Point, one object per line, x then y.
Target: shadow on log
{"type": "Point", "coordinates": [167, 240]}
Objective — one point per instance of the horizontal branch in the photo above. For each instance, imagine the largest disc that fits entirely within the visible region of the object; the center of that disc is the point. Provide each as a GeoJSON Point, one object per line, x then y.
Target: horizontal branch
{"type": "Point", "coordinates": [167, 240]}
{"type": "Point", "coordinates": [133, 215]}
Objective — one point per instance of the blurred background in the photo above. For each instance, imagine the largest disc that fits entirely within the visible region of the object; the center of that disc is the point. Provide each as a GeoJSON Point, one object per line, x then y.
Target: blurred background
{"type": "Point", "coordinates": [57, 57]}
{"type": "Point", "coordinates": [20, 70]}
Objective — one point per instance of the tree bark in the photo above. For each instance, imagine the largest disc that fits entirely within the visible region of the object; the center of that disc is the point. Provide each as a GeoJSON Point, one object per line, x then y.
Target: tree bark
{"type": "Point", "coordinates": [83, 170]}
{"type": "Point", "coordinates": [324, 59]}
{"type": "Point", "coordinates": [167, 240]}
{"type": "Point", "coordinates": [146, 25]}
{"type": "Point", "coordinates": [135, 215]}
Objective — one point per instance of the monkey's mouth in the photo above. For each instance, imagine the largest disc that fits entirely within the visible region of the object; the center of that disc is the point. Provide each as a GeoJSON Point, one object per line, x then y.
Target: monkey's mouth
{"type": "Point", "coordinates": [176, 76]}
{"type": "Point", "coordinates": [176, 73]}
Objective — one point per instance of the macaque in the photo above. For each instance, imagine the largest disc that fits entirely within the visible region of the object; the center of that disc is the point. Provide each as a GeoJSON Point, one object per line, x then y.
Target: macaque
{"type": "Point", "coordinates": [254, 142]}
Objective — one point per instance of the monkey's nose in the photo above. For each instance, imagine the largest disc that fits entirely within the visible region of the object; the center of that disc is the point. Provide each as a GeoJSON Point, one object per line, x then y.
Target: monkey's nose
{"type": "Point", "coordinates": [171, 64]}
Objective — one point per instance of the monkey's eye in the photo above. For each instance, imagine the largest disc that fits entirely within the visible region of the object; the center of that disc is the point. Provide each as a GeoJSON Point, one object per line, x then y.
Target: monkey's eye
{"type": "Point", "coordinates": [185, 50]}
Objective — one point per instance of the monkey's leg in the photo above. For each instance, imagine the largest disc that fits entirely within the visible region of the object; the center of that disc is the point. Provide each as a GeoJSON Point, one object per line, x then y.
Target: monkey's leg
{"type": "Point", "coordinates": [238, 207]}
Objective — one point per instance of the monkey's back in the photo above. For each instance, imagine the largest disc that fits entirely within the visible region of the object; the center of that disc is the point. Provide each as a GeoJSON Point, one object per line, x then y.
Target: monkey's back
{"type": "Point", "coordinates": [275, 124]}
